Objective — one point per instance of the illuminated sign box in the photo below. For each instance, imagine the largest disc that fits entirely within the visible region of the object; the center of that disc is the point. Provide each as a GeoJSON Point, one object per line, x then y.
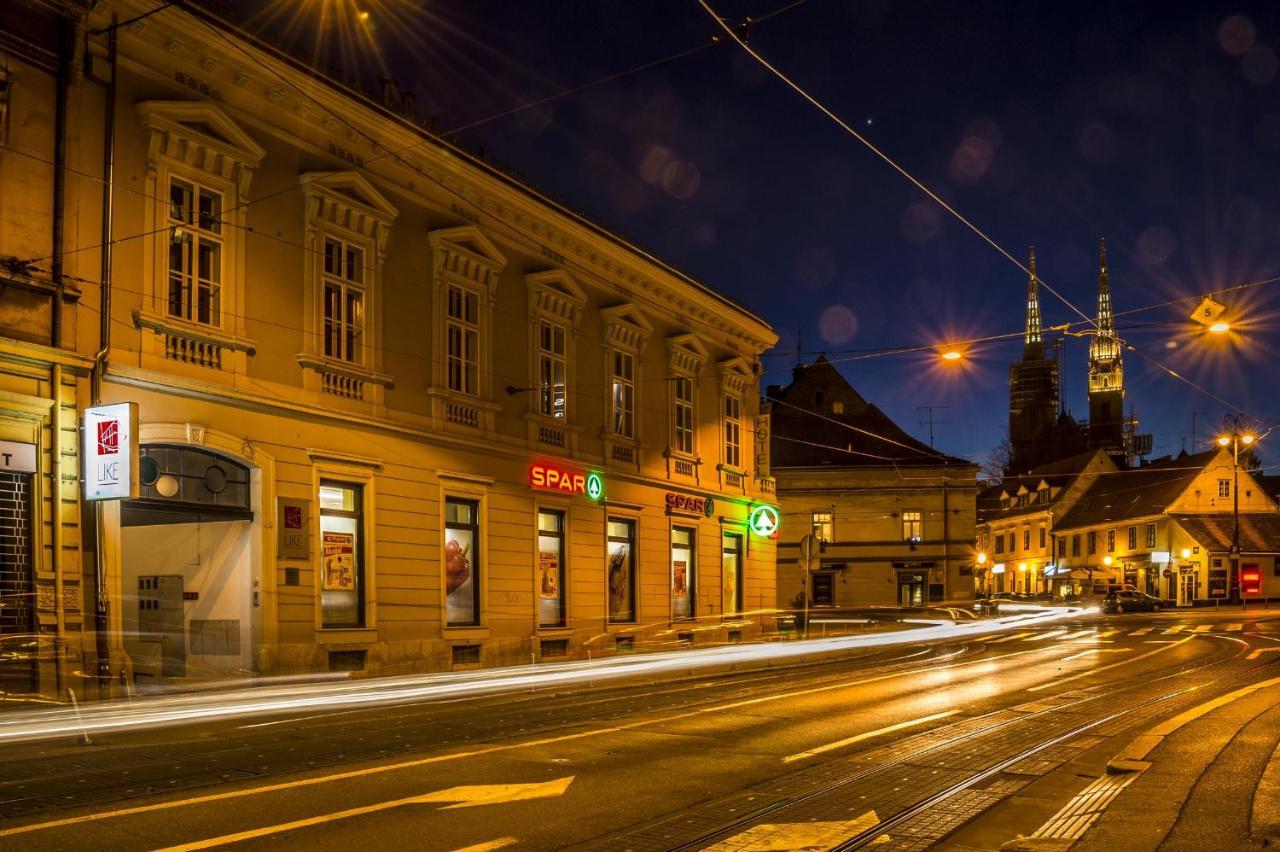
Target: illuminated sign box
{"type": "Point", "coordinates": [690, 504]}
{"type": "Point", "coordinates": [998, 568]}
{"type": "Point", "coordinates": [110, 451]}
{"type": "Point", "coordinates": [1159, 557]}
{"type": "Point", "coordinates": [550, 477]}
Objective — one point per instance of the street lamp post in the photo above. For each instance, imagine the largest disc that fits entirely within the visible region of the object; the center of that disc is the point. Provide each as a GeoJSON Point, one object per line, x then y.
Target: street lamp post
{"type": "Point", "coordinates": [1235, 434]}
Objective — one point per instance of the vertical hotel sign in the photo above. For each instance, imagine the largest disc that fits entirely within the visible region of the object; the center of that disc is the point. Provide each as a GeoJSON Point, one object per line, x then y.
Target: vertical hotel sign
{"type": "Point", "coordinates": [110, 451]}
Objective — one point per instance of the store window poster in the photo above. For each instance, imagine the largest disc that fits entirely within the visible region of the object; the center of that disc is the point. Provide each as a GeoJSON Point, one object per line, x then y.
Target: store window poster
{"type": "Point", "coordinates": [620, 608]}
{"type": "Point", "coordinates": [459, 572]}
{"type": "Point", "coordinates": [339, 573]}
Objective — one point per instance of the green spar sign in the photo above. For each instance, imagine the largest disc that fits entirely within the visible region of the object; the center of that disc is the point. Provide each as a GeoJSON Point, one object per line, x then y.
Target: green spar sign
{"type": "Point", "coordinates": [763, 521]}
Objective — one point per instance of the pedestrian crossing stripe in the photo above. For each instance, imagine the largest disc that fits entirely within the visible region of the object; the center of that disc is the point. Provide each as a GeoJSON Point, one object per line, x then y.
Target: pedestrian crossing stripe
{"type": "Point", "coordinates": [1086, 635]}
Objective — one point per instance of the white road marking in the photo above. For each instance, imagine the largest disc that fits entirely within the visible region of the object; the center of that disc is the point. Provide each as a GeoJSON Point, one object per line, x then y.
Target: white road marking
{"type": "Point", "coordinates": [1142, 631]}
{"type": "Point", "coordinates": [1177, 628]}
{"type": "Point", "coordinates": [786, 836]}
{"type": "Point", "coordinates": [1091, 672]}
{"type": "Point", "coordinates": [1089, 651]}
{"type": "Point", "coordinates": [1202, 628]}
{"type": "Point", "coordinates": [823, 749]}
{"type": "Point", "coordinates": [1010, 638]}
{"type": "Point", "coordinates": [487, 794]}
{"type": "Point", "coordinates": [490, 845]}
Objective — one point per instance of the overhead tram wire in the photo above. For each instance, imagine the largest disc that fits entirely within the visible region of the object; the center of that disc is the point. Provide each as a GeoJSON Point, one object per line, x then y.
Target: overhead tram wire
{"type": "Point", "coordinates": [434, 137]}
{"type": "Point", "coordinates": [733, 34]}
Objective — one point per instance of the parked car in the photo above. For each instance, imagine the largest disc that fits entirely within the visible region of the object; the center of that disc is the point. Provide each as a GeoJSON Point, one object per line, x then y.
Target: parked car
{"type": "Point", "coordinates": [1131, 600]}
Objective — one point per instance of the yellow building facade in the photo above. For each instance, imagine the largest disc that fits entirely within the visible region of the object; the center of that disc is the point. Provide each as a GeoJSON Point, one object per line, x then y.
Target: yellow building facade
{"type": "Point", "coordinates": [397, 411]}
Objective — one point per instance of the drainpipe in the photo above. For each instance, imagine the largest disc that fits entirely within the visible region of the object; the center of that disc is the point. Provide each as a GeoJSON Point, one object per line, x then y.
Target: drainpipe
{"type": "Point", "coordinates": [102, 606]}
{"type": "Point", "coordinates": [946, 539]}
{"type": "Point", "coordinates": [66, 50]}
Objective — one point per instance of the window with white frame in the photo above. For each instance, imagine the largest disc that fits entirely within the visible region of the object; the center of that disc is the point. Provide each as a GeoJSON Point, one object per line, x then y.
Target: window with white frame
{"type": "Point", "coordinates": [623, 395]}
{"type": "Point", "coordinates": [1224, 487]}
{"type": "Point", "coordinates": [913, 528]}
{"type": "Point", "coordinates": [344, 301]}
{"type": "Point", "coordinates": [733, 431]}
{"type": "Point", "coordinates": [682, 415]}
{"type": "Point", "coordinates": [463, 334]}
{"type": "Point", "coordinates": [1151, 535]}
{"type": "Point", "coordinates": [552, 369]}
{"type": "Point", "coordinates": [195, 252]}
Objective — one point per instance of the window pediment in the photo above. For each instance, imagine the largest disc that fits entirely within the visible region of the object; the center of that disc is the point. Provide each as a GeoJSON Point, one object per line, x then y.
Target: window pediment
{"type": "Point", "coordinates": [735, 375]}
{"type": "Point", "coordinates": [467, 253]}
{"type": "Point", "coordinates": [626, 326]}
{"type": "Point", "coordinates": [555, 292]}
{"type": "Point", "coordinates": [348, 200]}
{"type": "Point", "coordinates": [202, 136]}
{"type": "Point", "coordinates": [687, 353]}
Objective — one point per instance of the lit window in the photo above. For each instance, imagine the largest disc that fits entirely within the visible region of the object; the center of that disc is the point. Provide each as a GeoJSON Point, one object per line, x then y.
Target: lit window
{"type": "Point", "coordinates": [913, 527]}
{"type": "Point", "coordinates": [683, 573]}
{"type": "Point", "coordinates": [621, 574]}
{"type": "Point", "coordinates": [462, 562]}
{"type": "Point", "coordinates": [343, 301]}
{"type": "Point", "coordinates": [342, 554]}
{"type": "Point", "coordinates": [682, 411]}
{"type": "Point", "coordinates": [824, 527]}
{"type": "Point", "coordinates": [464, 340]}
{"type": "Point", "coordinates": [550, 576]}
{"type": "Point", "coordinates": [551, 369]}
{"type": "Point", "coordinates": [1224, 487]}
{"type": "Point", "coordinates": [195, 252]}
{"type": "Point", "coordinates": [732, 431]}
{"type": "Point", "coordinates": [623, 398]}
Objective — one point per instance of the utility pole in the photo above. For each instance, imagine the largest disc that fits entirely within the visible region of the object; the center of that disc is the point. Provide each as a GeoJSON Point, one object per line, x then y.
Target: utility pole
{"type": "Point", "coordinates": [928, 415]}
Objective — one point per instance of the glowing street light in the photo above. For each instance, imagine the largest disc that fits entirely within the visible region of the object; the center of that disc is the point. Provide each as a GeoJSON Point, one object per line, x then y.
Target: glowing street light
{"type": "Point", "coordinates": [982, 559]}
{"type": "Point", "coordinates": [1220, 327]}
{"type": "Point", "coordinates": [1107, 560]}
{"type": "Point", "coordinates": [1186, 553]}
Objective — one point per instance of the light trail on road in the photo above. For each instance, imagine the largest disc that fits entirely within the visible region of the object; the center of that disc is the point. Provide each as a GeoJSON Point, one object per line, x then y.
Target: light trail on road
{"type": "Point", "coordinates": [286, 698]}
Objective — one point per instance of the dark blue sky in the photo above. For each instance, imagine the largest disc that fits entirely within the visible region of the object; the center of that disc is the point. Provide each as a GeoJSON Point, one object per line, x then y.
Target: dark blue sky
{"type": "Point", "coordinates": [1155, 125]}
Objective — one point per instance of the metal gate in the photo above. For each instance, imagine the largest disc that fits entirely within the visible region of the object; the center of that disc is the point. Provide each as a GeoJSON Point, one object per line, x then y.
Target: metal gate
{"type": "Point", "coordinates": [18, 643]}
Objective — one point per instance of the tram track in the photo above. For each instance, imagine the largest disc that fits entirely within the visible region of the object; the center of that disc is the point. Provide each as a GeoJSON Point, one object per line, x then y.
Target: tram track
{"type": "Point", "coordinates": [998, 720]}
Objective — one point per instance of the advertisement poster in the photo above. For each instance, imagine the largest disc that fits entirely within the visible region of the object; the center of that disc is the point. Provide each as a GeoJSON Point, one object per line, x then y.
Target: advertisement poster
{"type": "Point", "coordinates": [619, 581]}
{"type": "Point", "coordinates": [459, 571]}
{"type": "Point", "coordinates": [730, 588]}
{"type": "Point", "coordinates": [339, 567]}
{"type": "Point", "coordinates": [549, 574]}
{"type": "Point", "coordinates": [680, 588]}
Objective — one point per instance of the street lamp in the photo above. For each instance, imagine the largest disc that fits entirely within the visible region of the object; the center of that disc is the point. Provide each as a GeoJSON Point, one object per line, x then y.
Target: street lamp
{"type": "Point", "coordinates": [1235, 433]}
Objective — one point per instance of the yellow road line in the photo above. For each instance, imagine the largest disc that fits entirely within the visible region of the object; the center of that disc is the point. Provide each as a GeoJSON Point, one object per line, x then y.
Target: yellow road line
{"type": "Point", "coordinates": [823, 749]}
{"type": "Point", "coordinates": [443, 758]}
{"type": "Point", "coordinates": [1090, 672]}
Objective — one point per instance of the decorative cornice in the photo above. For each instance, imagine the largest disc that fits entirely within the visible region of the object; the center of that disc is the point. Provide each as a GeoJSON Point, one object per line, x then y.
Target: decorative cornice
{"type": "Point", "coordinates": [465, 252]}
{"type": "Point", "coordinates": [687, 354]}
{"type": "Point", "coordinates": [203, 136]}
{"type": "Point", "coordinates": [735, 375]}
{"type": "Point", "coordinates": [626, 326]}
{"type": "Point", "coordinates": [348, 200]}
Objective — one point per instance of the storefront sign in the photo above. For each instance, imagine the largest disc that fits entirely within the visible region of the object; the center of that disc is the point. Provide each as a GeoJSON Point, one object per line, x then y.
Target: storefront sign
{"type": "Point", "coordinates": [17, 458]}
{"type": "Point", "coordinates": [690, 504]}
{"type": "Point", "coordinates": [764, 521]}
{"type": "Point", "coordinates": [762, 445]}
{"type": "Point", "coordinates": [552, 478]}
{"type": "Point", "coordinates": [1160, 557]}
{"type": "Point", "coordinates": [110, 451]}
{"type": "Point", "coordinates": [998, 568]}
{"type": "Point", "coordinates": [595, 486]}
{"type": "Point", "coordinates": [1218, 583]}
{"type": "Point", "coordinates": [291, 521]}
{"type": "Point", "coordinates": [339, 566]}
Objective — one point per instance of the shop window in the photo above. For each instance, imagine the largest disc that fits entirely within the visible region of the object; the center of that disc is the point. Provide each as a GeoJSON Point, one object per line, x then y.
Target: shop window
{"type": "Point", "coordinates": [462, 562]}
{"type": "Point", "coordinates": [1151, 535]}
{"type": "Point", "coordinates": [342, 555]}
{"type": "Point", "coordinates": [621, 570]}
{"type": "Point", "coordinates": [552, 369]}
{"type": "Point", "coordinates": [682, 415]}
{"type": "Point", "coordinates": [824, 527]}
{"type": "Point", "coordinates": [623, 397]}
{"type": "Point", "coordinates": [824, 588]}
{"type": "Point", "coordinates": [195, 252]}
{"type": "Point", "coordinates": [731, 569]}
{"type": "Point", "coordinates": [1133, 538]}
{"type": "Point", "coordinates": [462, 333]}
{"type": "Point", "coordinates": [913, 527]}
{"type": "Point", "coordinates": [551, 609]}
{"type": "Point", "coordinates": [344, 300]}
{"type": "Point", "coordinates": [683, 573]}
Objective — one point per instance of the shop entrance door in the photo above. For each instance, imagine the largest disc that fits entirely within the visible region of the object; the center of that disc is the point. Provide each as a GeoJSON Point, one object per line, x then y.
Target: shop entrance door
{"type": "Point", "coordinates": [160, 621]}
{"type": "Point", "coordinates": [17, 586]}
{"type": "Point", "coordinates": [911, 590]}
{"type": "Point", "coordinates": [1186, 588]}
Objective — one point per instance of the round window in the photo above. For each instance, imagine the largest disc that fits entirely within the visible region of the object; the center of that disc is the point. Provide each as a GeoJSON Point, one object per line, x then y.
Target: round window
{"type": "Point", "coordinates": [215, 479]}
{"type": "Point", "coordinates": [148, 470]}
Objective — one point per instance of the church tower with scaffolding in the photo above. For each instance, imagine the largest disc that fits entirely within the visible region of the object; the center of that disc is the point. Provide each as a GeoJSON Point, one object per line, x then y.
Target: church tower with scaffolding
{"type": "Point", "coordinates": [1034, 400]}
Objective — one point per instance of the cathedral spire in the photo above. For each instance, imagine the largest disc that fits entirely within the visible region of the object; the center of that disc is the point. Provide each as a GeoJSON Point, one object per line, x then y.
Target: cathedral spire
{"type": "Point", "coordinates": [1106, 324]}
{"type": "Point", "coordinates": [1033, 342]}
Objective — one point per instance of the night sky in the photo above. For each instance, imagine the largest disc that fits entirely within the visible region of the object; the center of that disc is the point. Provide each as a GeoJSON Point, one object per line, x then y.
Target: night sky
{"type": "Point", "coordinates": [1155, 125]}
